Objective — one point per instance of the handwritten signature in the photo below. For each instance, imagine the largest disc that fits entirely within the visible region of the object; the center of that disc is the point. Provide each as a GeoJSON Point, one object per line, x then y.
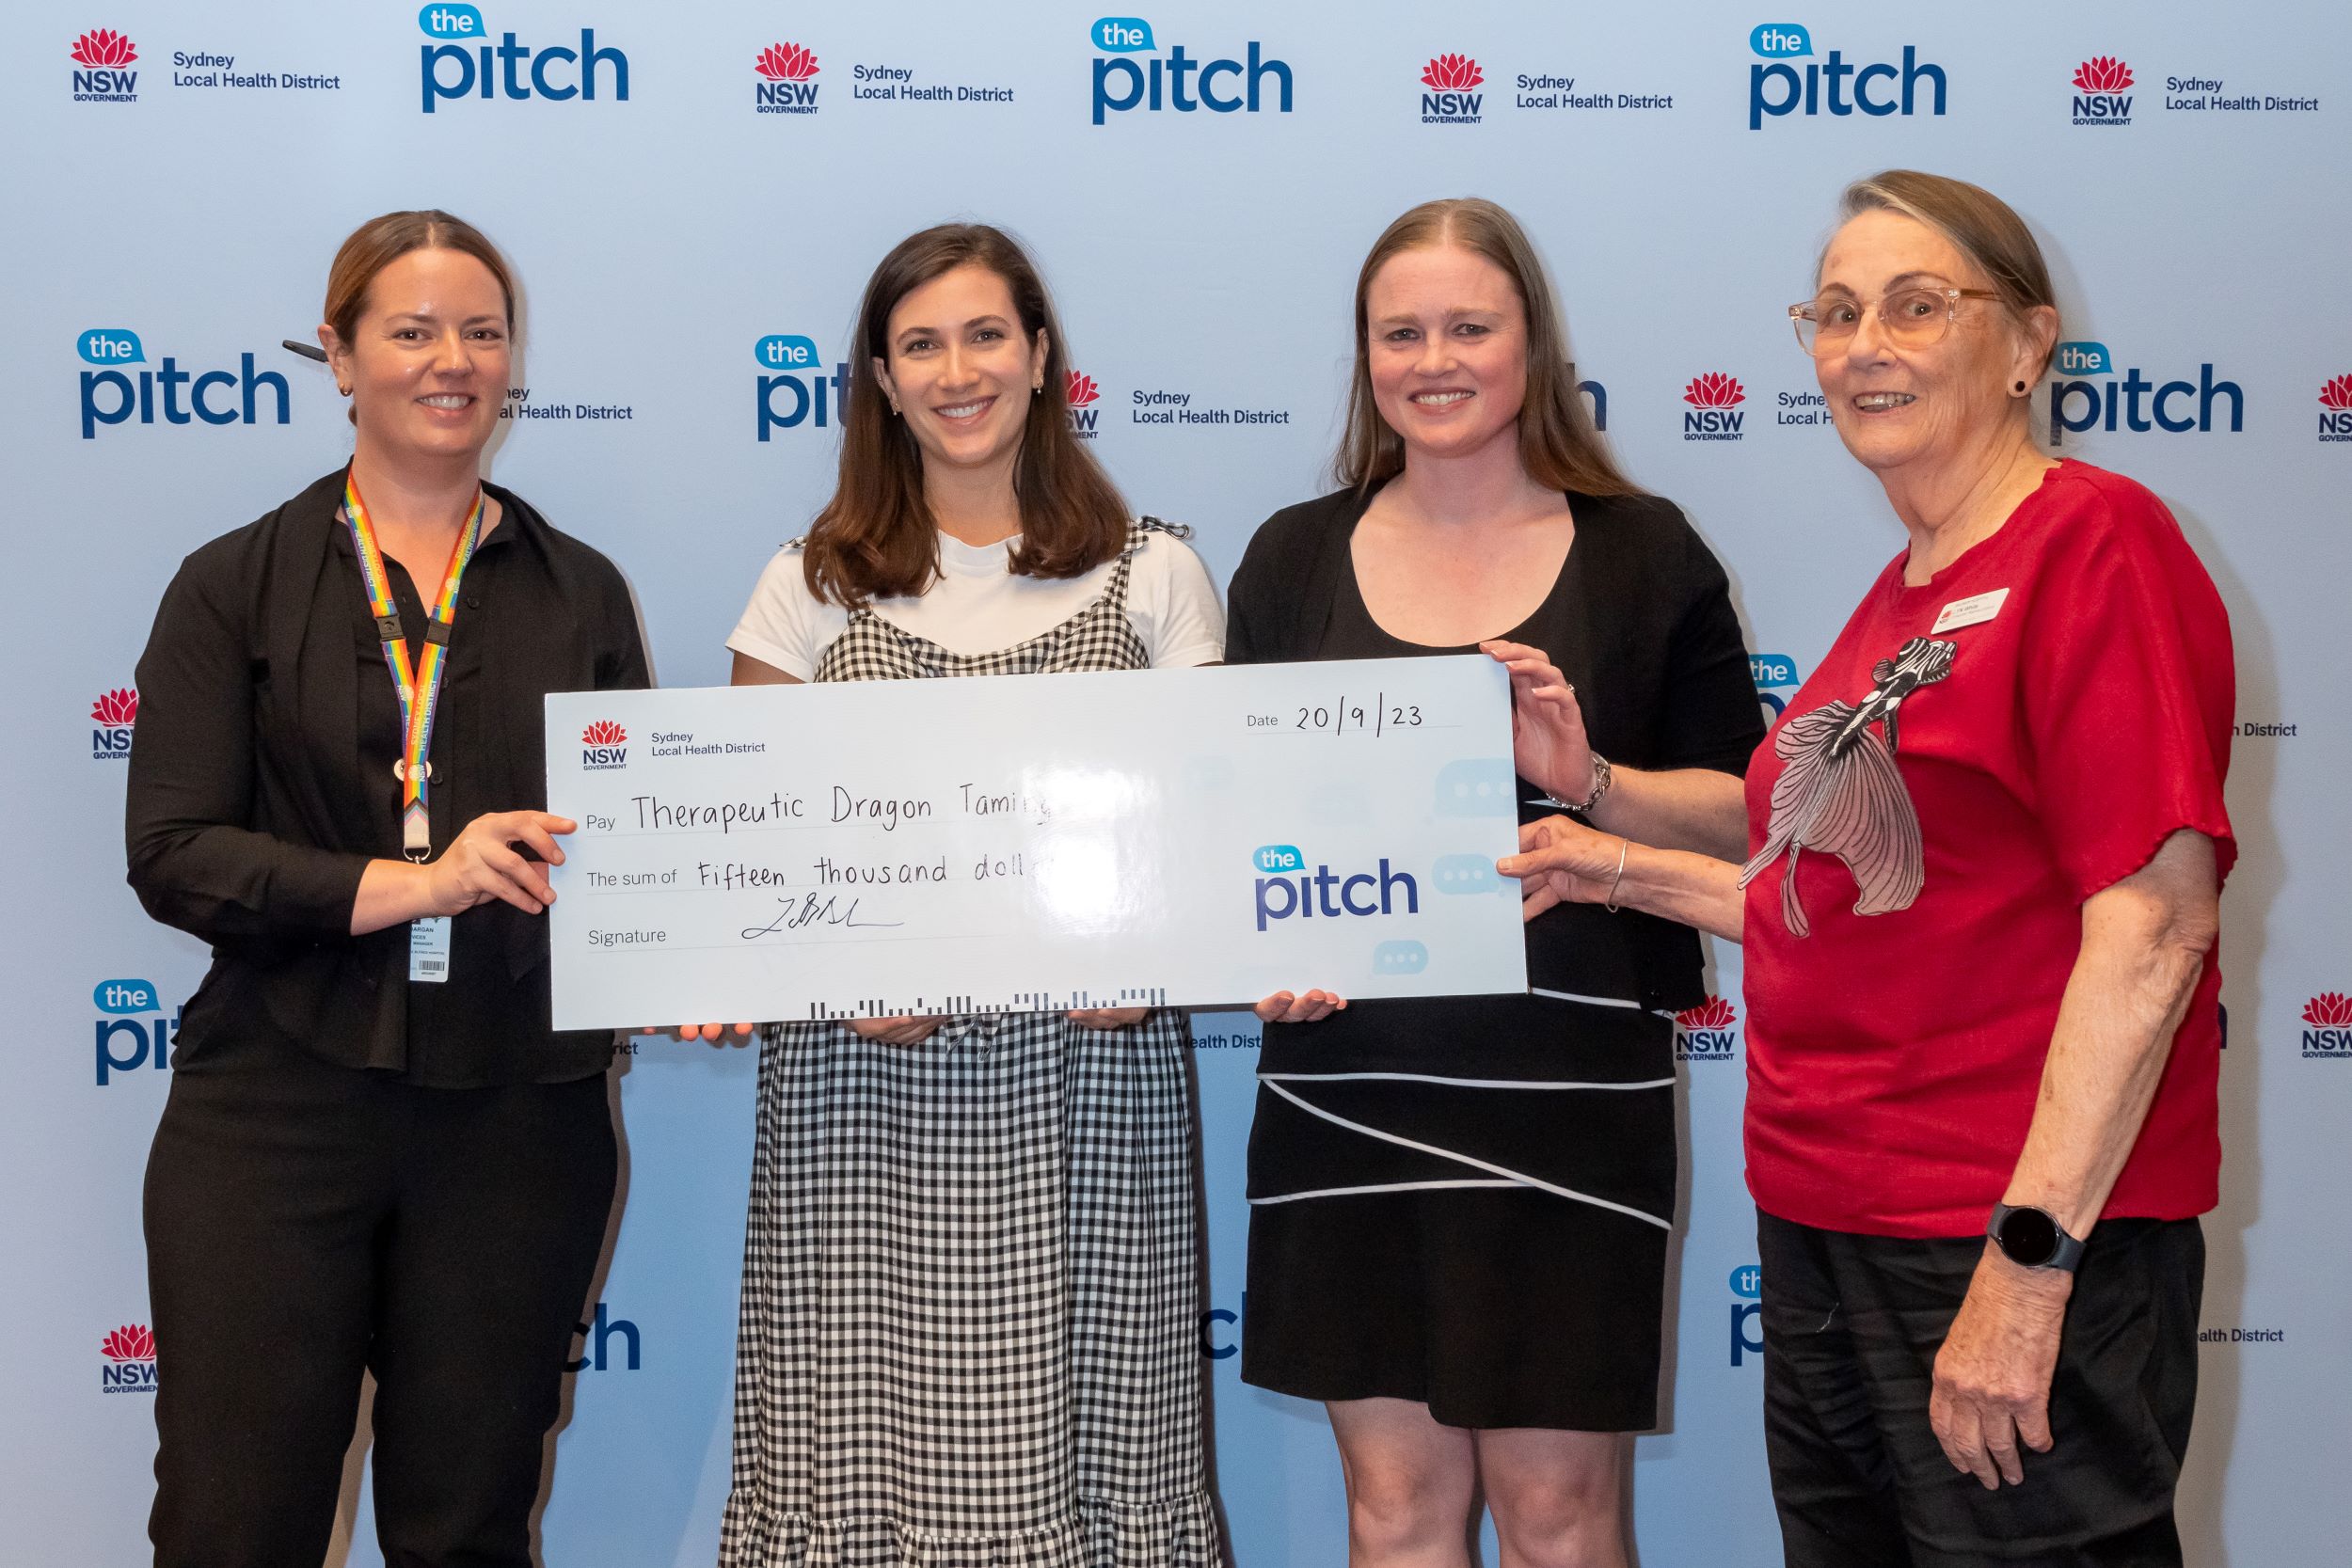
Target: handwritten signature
{"type": "Point", "coordinates": [815, 910]}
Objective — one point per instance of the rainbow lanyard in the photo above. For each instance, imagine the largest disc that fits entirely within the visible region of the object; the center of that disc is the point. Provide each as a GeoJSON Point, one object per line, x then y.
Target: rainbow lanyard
{"type": "Point", "coordinates": [419, 685]}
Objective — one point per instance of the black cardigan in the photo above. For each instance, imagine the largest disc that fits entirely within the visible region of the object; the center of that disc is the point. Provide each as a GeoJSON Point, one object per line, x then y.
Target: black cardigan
{"type": "Point", "coordinates": [249, 815]}
{"type": "Point", "coordinates": [1650, 641]}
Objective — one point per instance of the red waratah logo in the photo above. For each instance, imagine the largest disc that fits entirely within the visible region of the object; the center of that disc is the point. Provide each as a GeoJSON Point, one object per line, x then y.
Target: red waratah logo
{"type": "Point", "coordinates": [787, 62]}
{"type": "Point", "coordinates": [116, 710]}
{"type": "Point", "coordinates": [2337, 393]}
{"type": "Point", "coordinates": [1452, 73]}
{"type": "Point", "coordinates": [1714, 1013]}
{"type": "Point", "coordinates": [1079, 389]}
{"type": "Point", "coordinates": [2102, 73]}
{"type": "Point", "coordinates": [1714, 390]}
{"type": "Point", "coordinates": [104, 46]}
{"type": "Point", "coordinates": [2329, 1009]}
{"type": "Point", "coordinates": [604, 732]}
{"type": "Point", "coordinates": [130, 1342]}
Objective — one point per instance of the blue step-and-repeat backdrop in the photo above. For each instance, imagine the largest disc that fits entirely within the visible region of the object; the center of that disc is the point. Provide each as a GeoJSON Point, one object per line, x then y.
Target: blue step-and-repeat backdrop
{"type": "Point", "coordinates": [693, 193]}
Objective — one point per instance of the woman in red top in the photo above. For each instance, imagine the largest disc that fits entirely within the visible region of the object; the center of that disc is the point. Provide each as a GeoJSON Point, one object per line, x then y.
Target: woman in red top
{"type": "Point", "coordinates": [1987, 843]}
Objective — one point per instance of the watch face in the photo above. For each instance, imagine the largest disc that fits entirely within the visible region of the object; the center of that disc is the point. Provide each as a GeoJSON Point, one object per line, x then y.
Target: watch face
{"type": "Point", "coordinates": [2028, 1236]}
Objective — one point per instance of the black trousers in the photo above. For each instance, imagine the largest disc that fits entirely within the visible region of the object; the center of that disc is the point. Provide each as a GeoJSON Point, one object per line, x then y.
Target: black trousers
{"type": "Point", "coordinates": [1851, 1327]}
{"type": "Point", "coordinates": [305, 1220]}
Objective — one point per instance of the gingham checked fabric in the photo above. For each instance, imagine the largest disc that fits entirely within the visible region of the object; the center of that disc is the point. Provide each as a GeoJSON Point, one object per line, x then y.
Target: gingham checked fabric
{"type": "Point", "coordinates": [970, 1300]}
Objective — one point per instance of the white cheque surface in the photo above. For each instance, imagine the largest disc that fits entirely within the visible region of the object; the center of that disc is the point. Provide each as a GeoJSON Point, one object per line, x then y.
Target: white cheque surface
{"type": "Point", "coordinates": [1175, 837]}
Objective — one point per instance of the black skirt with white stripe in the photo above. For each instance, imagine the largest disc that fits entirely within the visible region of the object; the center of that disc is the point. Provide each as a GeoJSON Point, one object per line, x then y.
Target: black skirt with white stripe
{"type": "Point", "coordinates": [1465, 1202]}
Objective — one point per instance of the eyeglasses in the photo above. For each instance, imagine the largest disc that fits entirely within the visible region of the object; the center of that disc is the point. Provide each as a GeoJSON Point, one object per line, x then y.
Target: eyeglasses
{"type": "Point", "coordinates": [1911, 318]}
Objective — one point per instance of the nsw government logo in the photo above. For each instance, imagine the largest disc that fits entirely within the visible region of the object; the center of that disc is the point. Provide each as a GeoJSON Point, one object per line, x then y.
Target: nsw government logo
{"type": "Point", "coordinates": [1714, 414]}
{"type": "Point", "coordinates": [1878, 89]}
{"type": "Point", "coordinates": [2102, 91]}
{"type": "Point", "coordinates": [1707, 1033]}
{"type": "Point", "coordinates": [1082, 394]}
{"type": "Point", "coordinates": [129, 1364]}
{"type": "Point", "coordinates": [462, 62]}
{"type": "Point", "coordinates": [98, 58]}
{"type": "Point", "coordinates": [787, 80]}
{"type": "Point", "coordinates": [603, 746]}
{"type": "Point", "coordinates": [2328, 1020]}
{"type": "Point", "coordinates": [2135, 402]}
{"type": "Point", "coordinates": [2335, 403]}
{"type": "Point", "coordinates": [114, 713]}
{"type": "Point", "coordinates": [1181, 82]}
{"type": "Point", "coordinates": [1449, 99]}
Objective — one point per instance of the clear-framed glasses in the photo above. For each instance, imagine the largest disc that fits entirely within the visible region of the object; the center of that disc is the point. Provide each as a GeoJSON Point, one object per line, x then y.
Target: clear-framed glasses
{"type": "Point", "coordinates": [1910, 317]}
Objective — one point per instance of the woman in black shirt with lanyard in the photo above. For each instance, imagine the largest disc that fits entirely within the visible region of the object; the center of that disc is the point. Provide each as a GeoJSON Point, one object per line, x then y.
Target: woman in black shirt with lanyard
{"type": "Point", "coordinates": [377, 1153]}
{"type": "Point", "coordinates": [1460, 1206]}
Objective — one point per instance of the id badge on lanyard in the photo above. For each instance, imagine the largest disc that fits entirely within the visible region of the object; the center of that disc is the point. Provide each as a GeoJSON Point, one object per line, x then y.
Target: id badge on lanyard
{"type": "Point", "coordinates": [417, 685]}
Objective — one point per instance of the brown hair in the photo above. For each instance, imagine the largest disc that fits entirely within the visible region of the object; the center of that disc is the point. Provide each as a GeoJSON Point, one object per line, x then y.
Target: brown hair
{"type": "Point", "coordinates": [1980, 224]}
{"type": "Point", "coordinates": [381, 241]}
{"type": "Point", "coordinates": [1558, 445]}
{"type": "Point", "coordinates": [876, 538]}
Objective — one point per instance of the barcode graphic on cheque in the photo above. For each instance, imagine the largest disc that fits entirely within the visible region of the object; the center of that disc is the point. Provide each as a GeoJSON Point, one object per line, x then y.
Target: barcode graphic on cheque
{"type": "Point", "coordinates": [967, 1005]}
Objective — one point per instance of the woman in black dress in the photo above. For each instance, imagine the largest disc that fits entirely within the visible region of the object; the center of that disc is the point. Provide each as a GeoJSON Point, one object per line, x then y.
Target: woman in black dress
{"type": "Point", "coordinates": [1460, 1206]}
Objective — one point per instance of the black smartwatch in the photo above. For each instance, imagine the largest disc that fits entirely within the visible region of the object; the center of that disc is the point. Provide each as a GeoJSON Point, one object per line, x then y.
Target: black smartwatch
{"type": "Point", "coordinates": [2031, 1239]}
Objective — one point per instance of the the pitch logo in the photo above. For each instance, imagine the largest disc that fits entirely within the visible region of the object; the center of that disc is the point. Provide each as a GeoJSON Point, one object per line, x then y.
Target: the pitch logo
{"type": "Point", "coordinates": [603, 746]}
{"type": "Point", "coordinates": [1082, 394]}
{"type": "Point", "coordinates": [596, 1349]}
{"type": "Point", "coordinates": [1181, 82]}
{"type": "Point", "coordinates": [112, 396]}
{"type": "Point", "coordinates": [794, 389]}
{"type": "Point", "coordinates": [100, 56]}
{"type": "Point", "coordinates": [132, 1031]}
{"type": "Point", "coordinates": [1773, 673]}
{"type": "Point", "coordinates": [1714, 414]}
{"type": "Point", "coordinates": [2135, 402]}
{"type": "Point", "coordinates": [2335, 410]}
{"type": "Point", "coordinates": [113, 713]}
{"type": "Point", "coordinates": [2327, 1026]}
{"type": "Point", "coordinates": [1878, 89]}
{"type": "Point", "coordinates": [462, 62]}
{"type": "Point", "coordinates": [788, 82]}
{"type": "Point", "coordinates": [1448, 98]}
{"type": "Point", "coordinates": [1707, 1033]}
{"type": "Point", "coordinates": [2102, 91]}
{"type": "Point", "coordinates": [128, 1364]}
{"type": "Point", "coordinates": [1287, 890]}
{"type": "Point", "coordinates": [1747, 1311]}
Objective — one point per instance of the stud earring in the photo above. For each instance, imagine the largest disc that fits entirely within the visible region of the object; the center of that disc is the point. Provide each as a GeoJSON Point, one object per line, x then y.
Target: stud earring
{"type": "Point", "coordinates": [2020, 388]}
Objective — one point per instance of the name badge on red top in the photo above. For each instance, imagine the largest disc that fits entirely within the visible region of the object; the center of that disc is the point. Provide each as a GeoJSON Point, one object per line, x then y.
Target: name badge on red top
{"type": "Point", "coordinates": [1973, 611]}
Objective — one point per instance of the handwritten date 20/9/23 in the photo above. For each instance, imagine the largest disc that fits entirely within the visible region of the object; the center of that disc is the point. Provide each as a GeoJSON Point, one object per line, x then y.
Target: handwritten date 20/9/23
{"type": "Point", "coordinates": [1348, 715]}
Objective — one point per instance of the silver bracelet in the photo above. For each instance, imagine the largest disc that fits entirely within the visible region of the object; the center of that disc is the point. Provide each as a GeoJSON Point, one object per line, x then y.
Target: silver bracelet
{"type": "Point", "coordinates": [1625, 847]}
{"type": "Point", "coordinates": [1603, 776]}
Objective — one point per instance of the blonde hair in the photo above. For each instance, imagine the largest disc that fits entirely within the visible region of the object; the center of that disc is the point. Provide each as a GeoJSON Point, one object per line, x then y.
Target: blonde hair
{"type": "Point", "coordinates": [1558, 445]}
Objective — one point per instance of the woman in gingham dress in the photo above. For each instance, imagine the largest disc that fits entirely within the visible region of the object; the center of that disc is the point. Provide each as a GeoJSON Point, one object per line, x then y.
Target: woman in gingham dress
{"type": "Point", "coordinates": [969, 1299]}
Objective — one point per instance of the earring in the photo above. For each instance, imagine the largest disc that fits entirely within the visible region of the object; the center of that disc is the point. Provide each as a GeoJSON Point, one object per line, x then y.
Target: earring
{"type": "Point", "coordinates": [1036, 386]}
{"type": "Point", "coordinates": [2019, 388]}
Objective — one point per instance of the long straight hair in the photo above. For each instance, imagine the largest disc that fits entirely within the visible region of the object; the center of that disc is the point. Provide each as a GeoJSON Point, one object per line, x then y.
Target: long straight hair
{"type": "Point", "coordinates": [876, 538]}
{"type": "Point", "coordinates": [1558, 445]}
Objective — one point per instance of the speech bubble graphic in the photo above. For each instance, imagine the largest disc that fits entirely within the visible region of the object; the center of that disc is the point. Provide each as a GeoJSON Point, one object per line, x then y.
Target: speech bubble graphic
{"type": "Point", "coordinates": [2085, 358]}
{"type": "Point", "coordinates": [1781, 41]}
{"type": "Point", "coordinates": [1277, 858]}
{"type": "Point", "coordinates": [444, 19]}
{"type": "Point", "coordinates": [1747, 1280]}
{"type": "Point", "coordinates": [1399, 958]}
{"type": "Point", "coordinates": [785, 351]}
{"type": "Point", "coordinates": [1476, 786]}
{"type": "Point", "coordinates": [1122, 35]}
{"type": "Point", "coordinates": [1469, 874]}
{"type": "Point", "coordinates": [110, 345]}
{"type": "Point", "coordinates": [124, 997]}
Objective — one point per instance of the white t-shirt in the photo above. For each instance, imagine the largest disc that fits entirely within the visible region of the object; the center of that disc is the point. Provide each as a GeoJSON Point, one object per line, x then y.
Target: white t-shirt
{"type": "Point", "coordinates": [977, 607]}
